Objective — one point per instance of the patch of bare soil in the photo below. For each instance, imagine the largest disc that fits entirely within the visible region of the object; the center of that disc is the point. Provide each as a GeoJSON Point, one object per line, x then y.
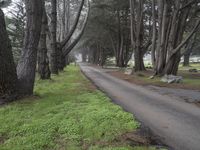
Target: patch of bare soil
{"type": "Point", "coordinates": [142, 137]}
{"type": "Point", "coordinates": [129, 78]}
{"type": "Point", "coordinates": [3, 138]}
{"type": "Point", "coordinates": [90, 87]}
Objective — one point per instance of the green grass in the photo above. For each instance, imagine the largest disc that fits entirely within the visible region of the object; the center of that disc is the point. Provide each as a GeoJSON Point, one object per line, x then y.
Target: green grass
{"type": "Point", "coordinates": [193, 82]}
{"type": "Point", "coordinates": [192, 66]}
{"type": "Point", "coordinates": [67, 114]}
{"type": "Point", "coordinates": [190, 80]}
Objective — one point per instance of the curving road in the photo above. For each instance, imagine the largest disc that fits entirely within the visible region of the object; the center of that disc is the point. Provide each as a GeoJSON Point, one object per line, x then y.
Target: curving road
{"type": "Point", "coordinates": [175, 121]}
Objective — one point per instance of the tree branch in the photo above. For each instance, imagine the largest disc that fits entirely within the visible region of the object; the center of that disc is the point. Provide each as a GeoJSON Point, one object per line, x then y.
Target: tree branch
{"type": "Point", "coordinates": [189, 4]}
{"type": "Point", "coordinates": [66, 40]}
{"type": "Point", "coordinates": [186, 40]}
{"type": "Point", "coordinates": [73, 44]}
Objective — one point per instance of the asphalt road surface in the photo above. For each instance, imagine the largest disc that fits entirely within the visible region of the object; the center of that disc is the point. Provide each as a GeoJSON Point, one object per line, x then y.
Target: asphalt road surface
{"type": "Point", "coordinates": [175, 121]}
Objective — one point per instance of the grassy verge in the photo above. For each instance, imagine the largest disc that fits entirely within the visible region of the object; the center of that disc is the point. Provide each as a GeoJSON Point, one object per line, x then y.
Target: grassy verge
{"type": "Point", "coordinates": [67, 113]}
{"type": "Point", "coordinates": [192, 66]}
{"type": "Point", "coordinates": [190, 80]}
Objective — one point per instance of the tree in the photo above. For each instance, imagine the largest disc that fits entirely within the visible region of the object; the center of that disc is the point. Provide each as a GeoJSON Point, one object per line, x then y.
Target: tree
{"type": "Point", "coordinates": [27, 64]}
{"type": "Point", "coordinates": [68, 49]}
{"type": "Point", "coordinates": [140, 33]}
{"type": "Point", "coordinates": [43, 60]}
{"type": "Point", "coordinates": [188, 50]}
{"type": "Point", "coordinates": [8, 76]}
{"type": "Point", "coordinates": [172, 21]}
{"type": "Point", "coordinates": [60, 49]}
{"type": "Point", "coordinates": [53, 30]}
{"type": "Point", "coordinates": [20, 81]}
{"type": "Point", "coordinates": [15, 23]}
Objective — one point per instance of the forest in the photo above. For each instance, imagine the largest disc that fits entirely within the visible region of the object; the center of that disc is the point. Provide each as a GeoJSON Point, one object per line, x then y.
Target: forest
{"type": "Point", "coordinates": [47, 47]}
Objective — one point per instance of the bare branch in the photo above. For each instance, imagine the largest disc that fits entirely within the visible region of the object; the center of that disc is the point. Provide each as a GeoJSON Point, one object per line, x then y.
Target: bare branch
{"type": "Point", "coordinates": [189, 4]}
{"type": "Point", "coordinates": [66, 40]}
{"type": "Point", "coordinates": [187, 38]}
{"type": "Point", "coordinates": [73, 44]}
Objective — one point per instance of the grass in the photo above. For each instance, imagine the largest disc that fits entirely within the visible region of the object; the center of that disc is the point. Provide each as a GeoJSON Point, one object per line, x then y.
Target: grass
{"type": "Point", "coordinates": [190, 81]}
{"type": "Point", "coordinates": [192, 66]}
{"type": "Point", "coordinates": [67, 113]}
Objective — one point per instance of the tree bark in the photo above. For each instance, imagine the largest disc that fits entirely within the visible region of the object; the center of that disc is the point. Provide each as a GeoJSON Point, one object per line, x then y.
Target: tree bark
{"type": "Point", "coordinates": [172, 21]}
{"type": "Point", "coordinates": [60, 58]}
{"type": "Point", "coordinates": [43, 60]}
{"type": "Point", "coordinates": [186, 61]}
{"type": "Point", "coordinates": [153, 48]}
{"type": "Point", "coordinates": [137, 33]}
{"type": "Point", "coordinates": [139, 63]}
{"type": "Point", "coordinates": [27, 64]}
{"type": "Point", "coordinates": [189, 49]}
{"type": "Point", "coordinates": [8, 75]}
{"type": "Point", "coordinates": [53, 29]}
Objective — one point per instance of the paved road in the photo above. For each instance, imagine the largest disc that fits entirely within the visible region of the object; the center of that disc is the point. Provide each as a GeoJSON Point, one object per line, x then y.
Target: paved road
{"type": "Point", "coordinates": [175, 121]}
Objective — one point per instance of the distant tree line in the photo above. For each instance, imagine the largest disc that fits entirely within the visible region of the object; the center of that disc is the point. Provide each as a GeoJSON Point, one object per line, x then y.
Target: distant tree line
{"type": "Point", "coordinates": [167, 29]}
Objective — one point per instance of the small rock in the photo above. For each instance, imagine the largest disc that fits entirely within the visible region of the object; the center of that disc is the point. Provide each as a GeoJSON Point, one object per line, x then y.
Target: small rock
{"type": "Point", "coordinates": [151, 77]}
{"type": "Point", "coordinates": [128, 72]}
{"type": "Point", "coordinates": [172, 79]}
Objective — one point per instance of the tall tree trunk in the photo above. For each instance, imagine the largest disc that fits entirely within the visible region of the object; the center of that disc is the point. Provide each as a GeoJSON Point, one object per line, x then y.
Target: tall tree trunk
{"type": "Point", "coordinates": [153, 48]}
{"type": "Point", "coordinates": [67, 31]}
{"type": "Point", "coordinates": [8, 75]}
{"type": "Point", "coordinates": [137, 33]}
{"type": "Point", "coordinates": [43, 60]}
{"type": "Point", "coordinates": [186, 61]}
{"type": "Point", "coordinates": [139, 63]}
{"type": "Point", "coordinates": [189, 48]}
{"type": "Point", "coordinates": [60, 58]}
{"type": "Point", "coordinates": [120, 57]}
{"type": "Point", "coordinates": [119, 41]}
{"type": "Point", "coordinates": [27, 64]}
{"type": "Point", "coordinates": [53, 28]}
{"type": "Point", "coordinates": [163, 21]}
{"type": "Point", "coordinates": [173, 64]}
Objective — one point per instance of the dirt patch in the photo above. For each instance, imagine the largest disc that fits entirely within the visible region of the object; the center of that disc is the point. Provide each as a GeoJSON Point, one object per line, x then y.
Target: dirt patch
{"type": "Point", "coordinates": [61, 142]}
{"type": "Point", "coordinates": [142, 137]}
{"type": "Point", "coordinates": [129, 78]}
{"type": "Point", "coordinates": [90, 87]}
{"type": "Point", "coordinates": [3, 138]}
{"type": "Point", "coordinates": [29, 99]}
{"type": "Point", "coordinates": [20, 99]}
